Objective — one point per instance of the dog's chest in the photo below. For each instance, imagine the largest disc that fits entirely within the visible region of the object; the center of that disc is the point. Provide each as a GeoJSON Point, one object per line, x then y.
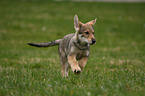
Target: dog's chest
{"type": "Point", "coordinates": [81, 54]}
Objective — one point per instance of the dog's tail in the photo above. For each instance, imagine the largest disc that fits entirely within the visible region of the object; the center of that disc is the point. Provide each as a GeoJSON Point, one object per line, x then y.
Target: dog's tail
{"type": "Point", "coordinates": [48, 44]}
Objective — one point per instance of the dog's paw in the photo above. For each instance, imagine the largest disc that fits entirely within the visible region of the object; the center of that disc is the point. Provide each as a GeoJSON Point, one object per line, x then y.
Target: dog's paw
{"type": "Point", "coordinates": [77, 71]}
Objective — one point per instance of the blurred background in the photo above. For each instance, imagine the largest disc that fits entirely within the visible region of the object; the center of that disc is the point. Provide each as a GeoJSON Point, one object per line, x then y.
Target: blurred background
{"type": "Point", "coordinates": [117, 60]}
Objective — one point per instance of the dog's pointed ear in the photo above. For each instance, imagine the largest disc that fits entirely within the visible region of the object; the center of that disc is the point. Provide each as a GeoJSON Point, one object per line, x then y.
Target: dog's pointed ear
{"type": "Point", "coordinates": [92, 22]}
{"type": "Point", "coordinates": [77, 23]}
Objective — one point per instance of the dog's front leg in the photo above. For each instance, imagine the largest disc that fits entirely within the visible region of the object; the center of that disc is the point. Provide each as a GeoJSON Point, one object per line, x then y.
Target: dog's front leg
{"type": "Point", "coordinates": [74, 64]}
{"type": "Point", "coordinates": [82, 62]}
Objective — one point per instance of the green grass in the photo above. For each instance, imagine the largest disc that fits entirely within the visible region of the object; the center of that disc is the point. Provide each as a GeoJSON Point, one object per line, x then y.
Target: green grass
{"type": "Point", "coordinates": [116, 66]}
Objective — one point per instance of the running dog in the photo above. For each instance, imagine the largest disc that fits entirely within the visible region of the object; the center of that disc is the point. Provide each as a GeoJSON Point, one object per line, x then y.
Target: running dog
{"type": "Point", "coordinates": [74, 48]}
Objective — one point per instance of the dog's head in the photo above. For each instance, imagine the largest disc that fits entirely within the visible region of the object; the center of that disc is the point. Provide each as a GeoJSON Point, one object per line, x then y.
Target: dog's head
{"type": "Point", "coordinates": [85, 32]}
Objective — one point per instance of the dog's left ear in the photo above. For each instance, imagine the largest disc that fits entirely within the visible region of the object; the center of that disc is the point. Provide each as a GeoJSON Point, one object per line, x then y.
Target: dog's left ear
{"type": "Point", "coordinates": [77, 23]}
{"type": "Point", "coordinates": [92, 22]}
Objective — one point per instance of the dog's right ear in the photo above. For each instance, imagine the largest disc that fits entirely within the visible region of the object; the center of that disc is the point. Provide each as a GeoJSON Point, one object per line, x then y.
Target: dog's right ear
{"type": "Point", "coordinates": [77, 23]}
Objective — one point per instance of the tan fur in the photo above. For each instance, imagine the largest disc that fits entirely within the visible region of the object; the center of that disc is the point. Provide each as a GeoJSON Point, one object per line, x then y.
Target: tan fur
{"type": "Point", "coordinates": [74, 49]}
{"type": "Point", "coordinates": [73, 63]}
{"type": "Point", "coordinates": [82, 62]}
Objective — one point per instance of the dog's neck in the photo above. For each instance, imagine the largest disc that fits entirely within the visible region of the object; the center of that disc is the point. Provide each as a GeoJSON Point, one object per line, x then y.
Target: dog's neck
{"type": "Point", "coordinates": [80, 46]}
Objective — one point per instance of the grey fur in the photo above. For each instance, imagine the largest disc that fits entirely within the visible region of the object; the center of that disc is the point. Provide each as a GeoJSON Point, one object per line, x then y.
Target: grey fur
{"type": "Point", "coordinates": [73, 49]}
{"type": "Point", "coordinates": [48, 44]}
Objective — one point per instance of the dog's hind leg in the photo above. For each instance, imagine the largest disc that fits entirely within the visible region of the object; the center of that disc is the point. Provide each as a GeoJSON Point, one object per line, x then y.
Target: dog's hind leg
{"type": "Point", "coordinates": [64, 67]}
{"type": "Point", "coordinates": [64, 64]}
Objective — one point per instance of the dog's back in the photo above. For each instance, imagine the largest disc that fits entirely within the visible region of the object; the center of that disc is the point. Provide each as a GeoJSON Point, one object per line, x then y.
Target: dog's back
{"type": "Point", "coordinates": [74, 48]}
{"type": "Point", "coordinates": [65, 44]}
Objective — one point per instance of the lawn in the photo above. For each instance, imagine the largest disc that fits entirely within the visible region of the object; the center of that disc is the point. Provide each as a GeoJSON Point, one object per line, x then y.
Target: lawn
{"type": "Point", "coordinates": [116, 66]}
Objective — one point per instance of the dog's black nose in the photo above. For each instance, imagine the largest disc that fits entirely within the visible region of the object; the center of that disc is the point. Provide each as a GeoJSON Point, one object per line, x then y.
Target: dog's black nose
{"type": "Point", "coordinates": [93, 41]}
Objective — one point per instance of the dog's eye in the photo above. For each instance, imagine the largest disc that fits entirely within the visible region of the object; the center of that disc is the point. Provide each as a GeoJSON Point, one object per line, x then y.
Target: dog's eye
{"type": "Point", "coordinates": [87, 33]}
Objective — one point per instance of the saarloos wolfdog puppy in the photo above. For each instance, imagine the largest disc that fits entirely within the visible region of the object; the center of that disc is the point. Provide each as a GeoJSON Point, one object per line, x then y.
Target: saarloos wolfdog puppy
{"type": "Point", "coordinates": [74, 48]}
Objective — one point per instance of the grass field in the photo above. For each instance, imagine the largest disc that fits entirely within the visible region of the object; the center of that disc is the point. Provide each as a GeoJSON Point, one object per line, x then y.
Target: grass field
{"type": "Point", "coordinates": [116, 66]}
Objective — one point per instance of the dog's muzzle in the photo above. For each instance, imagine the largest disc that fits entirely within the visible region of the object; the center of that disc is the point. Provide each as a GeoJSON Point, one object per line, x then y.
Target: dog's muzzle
{"type": "Point", "coordinates": [93, 41]}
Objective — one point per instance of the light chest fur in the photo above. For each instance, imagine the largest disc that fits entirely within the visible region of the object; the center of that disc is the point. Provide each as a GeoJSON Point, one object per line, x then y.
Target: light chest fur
{"type": "Point", "coordinates": [79, 53]}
